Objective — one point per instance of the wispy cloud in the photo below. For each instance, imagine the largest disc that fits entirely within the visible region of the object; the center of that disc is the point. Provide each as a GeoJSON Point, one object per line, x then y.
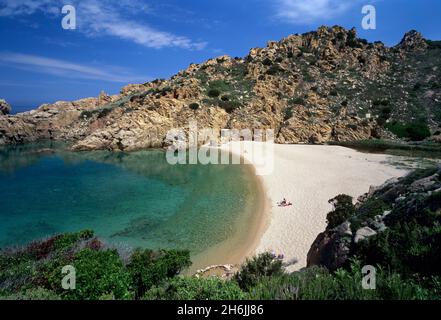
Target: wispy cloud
{"type": "Point", "coordinates": [67, 69]}
{"type": "Point", "coordinates": [309, 11]}
{"type": "Point", "coordinates": [97, 19]}
{"type": "Point", "coordinates": [27, 7]}
{"type": "Point", "coordinates": [119, 19]}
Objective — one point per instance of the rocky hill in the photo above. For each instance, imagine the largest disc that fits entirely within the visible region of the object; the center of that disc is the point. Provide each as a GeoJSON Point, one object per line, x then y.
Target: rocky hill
{"type": "Point", "coordinates": [326, 85]}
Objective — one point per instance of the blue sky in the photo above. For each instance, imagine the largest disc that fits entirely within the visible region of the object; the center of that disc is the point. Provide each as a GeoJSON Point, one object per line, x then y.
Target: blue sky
{"type": "Point", "coordinates": [120, 42]}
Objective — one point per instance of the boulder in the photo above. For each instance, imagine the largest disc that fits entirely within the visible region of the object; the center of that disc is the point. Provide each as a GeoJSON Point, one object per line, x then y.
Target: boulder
{"type": "Point", "coordinates": [329, 250]}
{"type": "Point", "coordinates": [5, 108]}
{"type": "Point", "coordinates": [345, 229]}
{"type": "Point", "coordinates": [424, 183]}
{"type": "Point", "coordinates": [413, 41]}
{"type": "Point", "coordinates": [363, 234]}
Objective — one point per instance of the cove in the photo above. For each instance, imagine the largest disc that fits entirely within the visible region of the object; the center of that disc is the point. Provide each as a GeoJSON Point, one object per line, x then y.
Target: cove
{"type": "Point", "coordinates": [131, 199]}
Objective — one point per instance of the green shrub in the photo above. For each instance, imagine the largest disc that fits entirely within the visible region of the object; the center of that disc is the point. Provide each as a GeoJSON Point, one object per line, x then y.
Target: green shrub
{"type": "Point", "coordinates": [369, 209]}
{"type": "Point", "coordinates": [384, 115]}
{"type": "Point", "coordinates": [86, 114]}
{"type": "Point", "coordinates": [298, 100]}
{"type": "Point", "coordinates": [67, 240]}
{"type": "Point", "coordinates": [194, 106]}
{"type": "Point", "coordinates": [148, 268]}
{"type": "Point", "coordinates": [213, 93]}
{"type": "Point", "coordinates": [415, 131]}
{"type": "Point", "coordinates": [217, 87]}
{"type": "Point", "coordinates": [274, 69]}
{"type": "Point", "coordinates": [381, 102]}
{"type": "Point", "coordinates": [267, 62]}
{"type": "Point", "coordinates": [435, 85]}
{"type": "Point", "coordinates": [317, 283]}
{"type": "Point", "coordinates": [287, 113]}
{"type": "Point", "coordinates": [191, 288]}
{"type": "Point", "coordinates": [353, 42]}
{"type": "Point", "coordinates": [33, 294]}
{"type": "Point", "coordinates": [220, 85]}
{"type": "Point", "coordinates": [98, 273]}
{"type": "Point", "coordinates": [263, 265]}
{"type": "Point", "coordinates": [434, 44]}
{"type": "Point", "coordinates": [343, 210]}
{"type": "Point", "coordinates": [229, 106]}
{"type": "Point", "coordinates": [417, 86]}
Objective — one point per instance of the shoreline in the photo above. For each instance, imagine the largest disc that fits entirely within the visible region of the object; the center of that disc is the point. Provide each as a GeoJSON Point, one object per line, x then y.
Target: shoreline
{"type": "Point", "coordinates": [235, 250]}
{"type": "Point", "coordinates": [308, 176]}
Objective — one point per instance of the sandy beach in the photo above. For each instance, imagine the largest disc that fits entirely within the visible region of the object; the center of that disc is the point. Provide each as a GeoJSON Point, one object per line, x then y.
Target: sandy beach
{"type": "Point", "coordinates": [308, 176]}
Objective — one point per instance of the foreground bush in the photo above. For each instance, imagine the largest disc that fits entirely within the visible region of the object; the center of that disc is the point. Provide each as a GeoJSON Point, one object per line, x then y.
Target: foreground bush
{"type": "Point", "coordinates": [191, 288]}
{"type": "Point", "coordinates": [148, 268]}
{"type": "Point", "coordinates": [318, 284]}
{"type": "Point", "coordinates": [99, 274]}
{"type": "Point", "coordinates": [263, 265]}
{"type": "Point", "coordinates": [34, 271]}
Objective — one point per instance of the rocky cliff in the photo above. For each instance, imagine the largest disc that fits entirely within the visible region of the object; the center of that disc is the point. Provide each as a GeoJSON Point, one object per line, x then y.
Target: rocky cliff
{"type": "Point", "coordinates": [396, 225]}
{"type": "Point", "coordinates": [326, 85]}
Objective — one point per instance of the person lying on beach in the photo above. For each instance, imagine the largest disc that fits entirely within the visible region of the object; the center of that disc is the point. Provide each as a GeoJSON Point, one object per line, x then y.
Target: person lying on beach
{"type": "Point", "coordinates": [284, 203]}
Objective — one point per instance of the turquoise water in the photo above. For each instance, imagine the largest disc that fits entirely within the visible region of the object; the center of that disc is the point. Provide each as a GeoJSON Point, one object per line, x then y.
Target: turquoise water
{"type": "Point", "coordinates": [132, 198]}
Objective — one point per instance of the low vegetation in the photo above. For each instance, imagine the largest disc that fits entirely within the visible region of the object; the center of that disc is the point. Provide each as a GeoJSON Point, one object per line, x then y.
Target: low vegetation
{"type": "Point", "coordinates": [194, 106]}
{"type": "Point", "coordinates": [415, 131]}
{"type": "Point", "coordinates": [343, 209]}
{"type": "Point", "coordinates": [406, 251]}
{"type": "Point", "coordinates": [34, 271]}
{"type": "Point", "coordinates": [288, 113]}
{"type": "Point", "coordinates": [425, 149]}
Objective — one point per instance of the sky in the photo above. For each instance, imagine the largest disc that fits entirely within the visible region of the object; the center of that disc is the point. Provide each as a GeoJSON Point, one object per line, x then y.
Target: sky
{"type": "Point", "coordinates": [115, 43]}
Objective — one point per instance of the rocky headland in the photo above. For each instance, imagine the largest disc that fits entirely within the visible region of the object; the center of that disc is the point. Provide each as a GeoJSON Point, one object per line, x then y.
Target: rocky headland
{"type": "Point", "coordinates": [326, 85]}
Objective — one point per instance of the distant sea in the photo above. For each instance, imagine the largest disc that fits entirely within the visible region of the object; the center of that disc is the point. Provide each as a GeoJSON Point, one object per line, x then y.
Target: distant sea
{"type": "Point", "coordinates": [133, 198]}
{"type": "Point", "coordinates": [18, 109]}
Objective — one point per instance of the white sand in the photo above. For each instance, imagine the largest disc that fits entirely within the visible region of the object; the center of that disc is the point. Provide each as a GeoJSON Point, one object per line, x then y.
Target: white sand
{"type": "Point", "coordinates": [308, 176]}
